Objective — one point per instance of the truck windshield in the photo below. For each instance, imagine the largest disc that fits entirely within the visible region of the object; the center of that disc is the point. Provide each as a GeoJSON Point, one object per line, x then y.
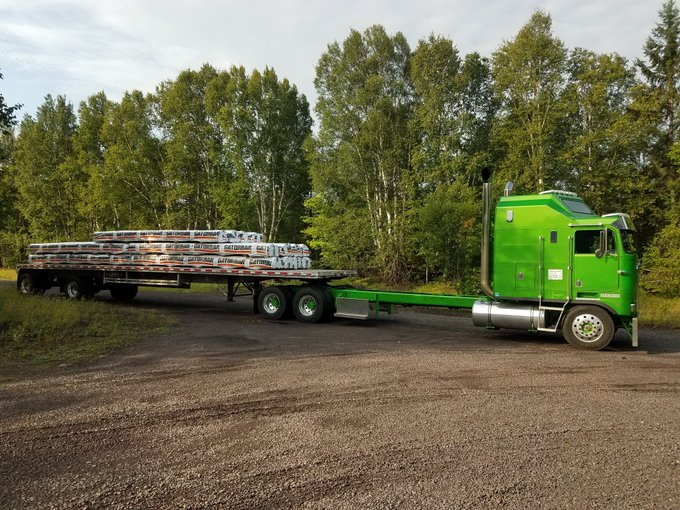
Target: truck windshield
{"type": "Point", "coordinates": [627, 240]}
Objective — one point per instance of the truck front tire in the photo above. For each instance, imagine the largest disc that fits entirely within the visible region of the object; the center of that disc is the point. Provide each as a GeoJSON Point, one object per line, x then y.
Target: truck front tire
{"type": "Point", "coordinates": [588, 327]}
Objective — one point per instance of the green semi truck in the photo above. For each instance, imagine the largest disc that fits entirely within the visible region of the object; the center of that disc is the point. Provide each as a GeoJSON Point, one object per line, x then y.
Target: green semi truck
{"type": "Point", "coordinates": [553, 264]}
{"type": "Point", "coordinates": [548, 263]}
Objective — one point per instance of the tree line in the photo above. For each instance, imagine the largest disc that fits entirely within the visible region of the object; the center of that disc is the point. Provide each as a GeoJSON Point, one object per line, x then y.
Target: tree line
{"type": "Point", "coordinates": [390, 181]}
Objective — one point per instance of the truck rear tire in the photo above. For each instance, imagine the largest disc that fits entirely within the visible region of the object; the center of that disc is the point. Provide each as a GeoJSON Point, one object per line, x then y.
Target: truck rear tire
{"type": "Point", "coordinates": [30, 284]}
{"type": "Point", "coordinates": [312, 304]}
{"type": "Point", "coordinates": [274, 303]}
{"type": "Point", "coordinates": [123, 292]}
{"type": "Point", "coordinates": [588, 327]}
{"type": "Point", "coordinates": [77, 288]}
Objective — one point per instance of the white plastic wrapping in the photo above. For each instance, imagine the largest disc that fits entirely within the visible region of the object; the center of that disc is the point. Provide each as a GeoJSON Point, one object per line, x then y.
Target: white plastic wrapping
{"type": "Point", "coordinates": [175, 248]}
{"type": "Point", "coordinates": [178, 236]}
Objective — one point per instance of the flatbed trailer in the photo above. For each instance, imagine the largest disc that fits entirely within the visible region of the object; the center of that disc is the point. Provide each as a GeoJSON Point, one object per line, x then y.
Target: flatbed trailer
{"type": "Point", "coordinates": [78, 281]}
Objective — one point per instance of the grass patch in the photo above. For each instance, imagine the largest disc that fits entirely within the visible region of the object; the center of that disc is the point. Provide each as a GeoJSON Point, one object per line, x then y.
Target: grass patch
{"type": "Point", "coordinates": [659, 312]}
{"type": "Point", "coordinates": [8, 274]}
{"type": "Point", "coordinates": [37, 331]}
{"type": "Point", "coordinates": [436, 287]}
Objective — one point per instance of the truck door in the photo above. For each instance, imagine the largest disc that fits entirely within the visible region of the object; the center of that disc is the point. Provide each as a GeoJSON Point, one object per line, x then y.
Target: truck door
{"type": "Point", "coordinates": [596, 263]}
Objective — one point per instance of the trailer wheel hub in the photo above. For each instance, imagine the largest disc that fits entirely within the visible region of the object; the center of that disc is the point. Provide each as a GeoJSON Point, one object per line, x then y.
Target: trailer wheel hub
{"type": "Point", "coordinates": [307, 306]}
{"type": "Point", "coordinates": [272, 303]}
{"type": "Point", "coordinates": [26, 285]}
{"type": "Point", "coordinates": [587, 327]}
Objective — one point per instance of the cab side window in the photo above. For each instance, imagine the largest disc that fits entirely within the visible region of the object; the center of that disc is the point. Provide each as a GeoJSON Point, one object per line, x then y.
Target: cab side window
{"type": "Point", "coordinates": [588, 241]}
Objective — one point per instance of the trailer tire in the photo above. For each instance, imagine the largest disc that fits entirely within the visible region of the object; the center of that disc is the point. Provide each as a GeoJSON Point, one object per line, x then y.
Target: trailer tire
{"type": "Point", "coordinates": [312, 304]}
{"type": "Point", "coordinates": [123, 292]}
{"type": "Point", "coordinates": [30, 284]}
{"type": "Point", "coordinates": [274, 303]}
{"type": "Point", "coordinates": [588, 327]}
{"type": "Point", "coordinates": [77, 288]}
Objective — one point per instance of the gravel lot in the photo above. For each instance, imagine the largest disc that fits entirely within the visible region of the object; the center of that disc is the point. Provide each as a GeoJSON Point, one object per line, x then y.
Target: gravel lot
{"type": "Point", "coordinates": [416, 410]}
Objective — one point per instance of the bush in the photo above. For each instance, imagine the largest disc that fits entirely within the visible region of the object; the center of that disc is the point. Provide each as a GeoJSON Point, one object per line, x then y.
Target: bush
{"type": "Point", "coordinates": [448, 232]}
{"type": "Point", "coordinates": [13, 248]}
{"type": "Point", "coordinates": [661, 264]}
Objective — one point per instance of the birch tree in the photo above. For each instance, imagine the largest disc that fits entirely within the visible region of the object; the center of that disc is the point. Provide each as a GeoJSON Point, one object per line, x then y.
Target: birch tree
{"type": "Point", "coordinates": [365, 102]}
{"type": "Point", "coordinates": [265, 123]}
{"type": "Point", "coordinates": [530, 75]}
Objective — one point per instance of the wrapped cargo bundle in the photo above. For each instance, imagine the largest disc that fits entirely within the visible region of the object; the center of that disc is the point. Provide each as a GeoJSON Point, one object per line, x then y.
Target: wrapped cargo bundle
{"type": "Point", "coordinates": [231, 262]}
{"type": "Point", "coordinates": [279, 263]}
{"type": "Point", "coordinates": [115, 248]}
{"type": "Point", "coordinates": [79, 258]}
{"type": "Point", "coordinates": [178, 236]}
{"type": "Point", "coordinates": [144, 260]}
{"type": "Point", "coordinates": [177, 248]}
{"type": "Point", "coordinates": [87, 247]}
{"type": "Point", "coordinates": [68, 258]}
{"type": "Point", "coordinates": [200, 261]}
{"type": "Point", "coordinates": [38, 258]}
{"type": "Point", "coordinates": [249, 249]}
{"type": "Point", "coordinates": [288, 249]}
{"type": "Point", "coordinates": [290, 262]}
{"type": "Point", "coordinates": [120, 259]}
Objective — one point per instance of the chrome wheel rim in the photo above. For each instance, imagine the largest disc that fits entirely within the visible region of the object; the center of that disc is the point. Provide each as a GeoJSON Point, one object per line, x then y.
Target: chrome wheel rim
{"type": "Point", "coordinates": [72, 290]}
{"type": "Point", "coordinates": [587, 328]}
{"type": "Point", "coordinates": [307, 306]}
{"type": "Point", "coordinates": [26, 286]}
{"type": "Point", "coordinates": [272, 304]}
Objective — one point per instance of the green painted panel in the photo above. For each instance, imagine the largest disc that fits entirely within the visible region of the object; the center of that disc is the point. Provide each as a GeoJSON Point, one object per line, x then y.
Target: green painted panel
{"type": "Point", "coordinates": [406, 298]}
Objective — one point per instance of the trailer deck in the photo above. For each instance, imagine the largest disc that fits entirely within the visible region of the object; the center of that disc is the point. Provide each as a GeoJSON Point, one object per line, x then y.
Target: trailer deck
{"type": "Point", "coordinates": [256, 274]}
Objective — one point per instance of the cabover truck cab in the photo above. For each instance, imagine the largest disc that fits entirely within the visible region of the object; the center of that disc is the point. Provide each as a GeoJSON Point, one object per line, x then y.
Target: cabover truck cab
{"type": "Point", "coordinates": [556, 264]}
{"type": "Point", "coordinates": [552, 264]}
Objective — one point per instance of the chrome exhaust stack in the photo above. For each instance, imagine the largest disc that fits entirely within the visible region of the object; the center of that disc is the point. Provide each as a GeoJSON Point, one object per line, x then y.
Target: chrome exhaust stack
{"type": "Point", "coordinates": [486, 234]}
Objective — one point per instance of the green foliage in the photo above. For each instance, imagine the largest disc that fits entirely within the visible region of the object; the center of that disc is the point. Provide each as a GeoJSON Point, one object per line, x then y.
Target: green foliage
{"type": "Point", "coordinates": [658, 102]}
{"type": "Point", "coordinates": [363, 144]}
{"type": "Point", "coordinates": [449, 231]}
{"type": "Point", "coordinates": [46, 176]}
{"type": "Point", "coordinates": [38, 330]}
{"type": "Point", "coordinates": [661, 263]}
{"type": "Point", "coordinates": [338, 233]}
{"type": "Point", "coordinates": [132, 189]}
{"type": "Point", "coordinates": [529, 79]}
{"type": "Point", "coordinates": [657, 311]}
{"type": "Point", "coordinates": [266, 122]}
{"type": "Point", "coordinates": [194, 153]}
{"type": "Point", "coordinates": [13, 247]}
{"type": "Point", "coordinates": [7, 116]}
{"type": "Point", "coordinates": [389, 184]}
{"type": "Point", "coordinates": [175, 159]}
{"type": "Point", "coordinates": [453, 112]}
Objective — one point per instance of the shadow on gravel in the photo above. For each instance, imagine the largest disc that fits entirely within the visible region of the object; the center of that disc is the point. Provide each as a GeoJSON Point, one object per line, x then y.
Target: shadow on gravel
{"type": "Point", "coordinates": [211, 311]}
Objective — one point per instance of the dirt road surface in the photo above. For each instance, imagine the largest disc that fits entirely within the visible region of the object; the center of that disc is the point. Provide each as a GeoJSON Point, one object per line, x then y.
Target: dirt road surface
{"type": "Point", "coordinates": [412, 411]}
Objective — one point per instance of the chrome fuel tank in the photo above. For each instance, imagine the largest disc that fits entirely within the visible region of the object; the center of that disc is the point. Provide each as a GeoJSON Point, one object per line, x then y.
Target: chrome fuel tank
{"type": "Point", "coordinates": [507, 315]}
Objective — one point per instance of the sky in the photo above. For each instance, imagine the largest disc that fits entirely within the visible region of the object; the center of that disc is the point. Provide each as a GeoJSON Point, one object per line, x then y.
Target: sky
{"type": "Point", "coordinates": [79, 47]}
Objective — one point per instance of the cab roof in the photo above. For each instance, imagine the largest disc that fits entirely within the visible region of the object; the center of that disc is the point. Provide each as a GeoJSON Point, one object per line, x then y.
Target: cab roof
{"type": "Point", "coordinates": [569, 205]}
